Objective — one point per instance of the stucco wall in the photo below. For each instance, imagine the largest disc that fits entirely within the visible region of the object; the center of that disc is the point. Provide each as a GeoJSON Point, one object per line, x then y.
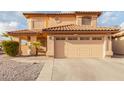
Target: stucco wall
{"type": "Point", "coordinates": [118, 45]}
{"type": "Point", "coordinates": [32, 25]}
{"type": "Point", "coordinates": [50, 46]}
{"type": "Point", "coordinates": [62, 20]}
{"type": "Point", "coordinates": [94, 21]}
{"type": "Point", "coordinates": [48, 21]}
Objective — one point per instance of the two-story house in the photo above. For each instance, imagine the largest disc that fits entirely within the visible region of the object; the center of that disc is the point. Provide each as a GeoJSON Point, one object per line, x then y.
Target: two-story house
{"type": "Point", "coordinates": [68, 35]}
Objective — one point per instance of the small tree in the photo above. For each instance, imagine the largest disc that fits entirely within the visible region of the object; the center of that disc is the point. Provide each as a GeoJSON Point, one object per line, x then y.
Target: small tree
{"type": "Point", "coordinates": [11, 48]}
{"type": "Point", "coordinates": [36, 45]}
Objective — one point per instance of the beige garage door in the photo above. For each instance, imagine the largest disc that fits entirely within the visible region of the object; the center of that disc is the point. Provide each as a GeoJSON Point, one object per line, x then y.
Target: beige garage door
{"type": "Point", "coordinates": [78, 48]}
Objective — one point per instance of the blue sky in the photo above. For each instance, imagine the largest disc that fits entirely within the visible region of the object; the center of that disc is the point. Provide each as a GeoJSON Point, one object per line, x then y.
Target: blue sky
{"type": "Point", "coordinates": [115, 18]}
{"type": "Point", "coordinates": [12, 20]}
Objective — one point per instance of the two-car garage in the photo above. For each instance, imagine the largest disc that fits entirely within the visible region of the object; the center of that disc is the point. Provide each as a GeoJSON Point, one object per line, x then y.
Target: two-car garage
{"type": "Point", "coordinates": [77, 47]}
{"type": "Point", "coordinates": [79, 41]}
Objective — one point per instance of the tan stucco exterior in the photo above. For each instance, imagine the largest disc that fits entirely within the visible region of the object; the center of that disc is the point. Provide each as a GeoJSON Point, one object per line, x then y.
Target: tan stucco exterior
{"type": "Point", "coordinates": [54, 48]}
{"type": "Point", "coordinates": [51, 20]}
{"type": "Point", "coordinates": [50, 46]}
{"type": "Point", "coordinates": [63, 20]}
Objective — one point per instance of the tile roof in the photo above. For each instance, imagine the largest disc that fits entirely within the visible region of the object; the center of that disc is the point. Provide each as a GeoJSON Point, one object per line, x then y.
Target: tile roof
{"type": "Point", "coordinates": [26, 31]}
{"type": "Point", "coordinates": [120, 34]}
{"type": "Point", "coordinates": [65, 29]}
{"type": "Point", "coordinates": [73, 27]}
{"type": "Point", "coordinates": [89, 12]}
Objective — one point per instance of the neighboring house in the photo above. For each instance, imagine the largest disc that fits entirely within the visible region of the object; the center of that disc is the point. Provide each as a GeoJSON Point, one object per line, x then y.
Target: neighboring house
{"type": "Point", "coordinates": [68, 35]}
{"type": "Point", "coordinates": [118, 43]}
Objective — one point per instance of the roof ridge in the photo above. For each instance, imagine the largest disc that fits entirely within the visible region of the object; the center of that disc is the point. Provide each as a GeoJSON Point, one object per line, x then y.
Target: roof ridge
{"type": "Point", "coordinates": [27, 14]}
{"type": "Point", "coordinates": [60, 12]}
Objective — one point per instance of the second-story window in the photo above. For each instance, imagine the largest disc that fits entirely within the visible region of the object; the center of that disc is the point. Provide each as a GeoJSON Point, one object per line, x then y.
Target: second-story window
{"type": "Point", "coordinates": [86, 20]}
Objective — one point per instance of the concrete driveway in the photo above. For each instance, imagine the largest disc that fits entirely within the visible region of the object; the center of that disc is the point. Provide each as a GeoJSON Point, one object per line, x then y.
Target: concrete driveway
{"type": "Point", "coordinates": [88, 69]}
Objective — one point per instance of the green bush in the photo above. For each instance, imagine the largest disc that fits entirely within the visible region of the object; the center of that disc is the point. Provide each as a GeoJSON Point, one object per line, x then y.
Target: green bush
{"type": "Point", "coordinates": [11, 48]}
{"type": "Point", "coordinates": [1, 44]}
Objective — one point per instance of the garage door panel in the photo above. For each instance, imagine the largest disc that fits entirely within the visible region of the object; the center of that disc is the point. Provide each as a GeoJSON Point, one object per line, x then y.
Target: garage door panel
{"type": "Point", "coordinates": [97, 50]}
{"type": "Point", "coordinates": [88, 42]}
{"type": "Point", "coordinates": [70, 51]}
{"type": "Point", "coordinates": [78, 49]}
{"type": "Point", "coordinates": [84, 52]}
{"type": "Point", "coordinates": [59, 49]}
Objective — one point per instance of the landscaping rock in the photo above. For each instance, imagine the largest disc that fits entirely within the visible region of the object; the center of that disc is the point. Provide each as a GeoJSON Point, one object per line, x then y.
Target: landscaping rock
{"type": "Point", "coordinates": [17, 71]}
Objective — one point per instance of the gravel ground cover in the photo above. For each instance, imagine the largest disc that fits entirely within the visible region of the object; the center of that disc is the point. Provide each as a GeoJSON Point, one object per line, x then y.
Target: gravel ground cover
{"type": "Point", "coordinates": [17, 71]}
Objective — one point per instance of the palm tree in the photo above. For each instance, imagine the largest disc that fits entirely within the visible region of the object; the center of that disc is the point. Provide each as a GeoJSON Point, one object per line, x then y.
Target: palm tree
{"type": "Point", "coordinates": [36, 45]}
{"type": "Point", "coordinates": [0, 46]}
{"type": "Point", "coordinates": [6, 35]}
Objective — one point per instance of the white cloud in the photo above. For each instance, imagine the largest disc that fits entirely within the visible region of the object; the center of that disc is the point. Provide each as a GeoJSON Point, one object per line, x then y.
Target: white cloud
{"type": "Point", "coordinates": [7, 26]}
{"type": "Point", "coordinates": [122, 25]}
{"type": "Point", "coordinates": [10, 20]}
{"type": "Point", "coordinates": [13, 24]}
{"type": "Point", "coordinates": [106, 17]}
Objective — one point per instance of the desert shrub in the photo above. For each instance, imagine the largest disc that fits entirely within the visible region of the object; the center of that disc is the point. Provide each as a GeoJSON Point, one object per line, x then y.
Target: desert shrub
{"type": "Point", "coordinates": [11, 48]}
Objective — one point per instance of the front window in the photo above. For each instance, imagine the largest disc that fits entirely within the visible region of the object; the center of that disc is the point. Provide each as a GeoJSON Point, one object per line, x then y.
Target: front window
{"type": "Point", "coordinates": [84, 38]}
{"type": "Point", "coordinates": [60, 38]}
{"type": "Point", "coordinates": [72, 38]}
{"type": "Point", "coordinates": [96, 38]}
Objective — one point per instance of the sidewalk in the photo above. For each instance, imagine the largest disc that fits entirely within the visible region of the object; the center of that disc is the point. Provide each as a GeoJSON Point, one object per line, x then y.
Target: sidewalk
{"type": "Point", "coordinates": [46, 72]}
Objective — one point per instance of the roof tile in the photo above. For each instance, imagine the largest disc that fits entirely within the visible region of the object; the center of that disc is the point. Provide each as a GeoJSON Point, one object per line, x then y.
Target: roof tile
{"type": "Point", "coordinates": [64, 28]}
{"type": "Point", "coordinates": [73, 27]}
{"type": "Point", "coordinates": [26, 31]}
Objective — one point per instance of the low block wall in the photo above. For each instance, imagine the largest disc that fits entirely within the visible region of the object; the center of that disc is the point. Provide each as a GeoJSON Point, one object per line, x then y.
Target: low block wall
{"type": "Point", "coordinates": [118, 46]}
